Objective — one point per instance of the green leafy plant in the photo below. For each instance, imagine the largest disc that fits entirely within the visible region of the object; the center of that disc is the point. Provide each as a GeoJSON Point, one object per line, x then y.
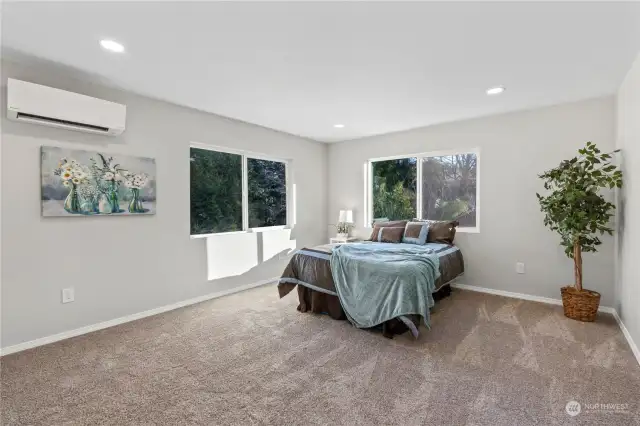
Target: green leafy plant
{"type": "Point", "coordinates": [395, 203]}
{"type": "Point", "coordinates": [574, 207]}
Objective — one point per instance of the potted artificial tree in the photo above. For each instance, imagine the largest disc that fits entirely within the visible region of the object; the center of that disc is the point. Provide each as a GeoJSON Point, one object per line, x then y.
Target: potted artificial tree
{"type": "Point", "coordinates": [576, 210]}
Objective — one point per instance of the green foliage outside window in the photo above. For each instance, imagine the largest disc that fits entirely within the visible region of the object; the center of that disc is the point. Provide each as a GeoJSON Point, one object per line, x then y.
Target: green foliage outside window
{"type": "Point", "coordinates": [448, 188]}
{"type": "Point", "coordinates": [267, 193]}
{"type": "Point", "coordinates": [216, 192]}
{"type": "Point", "coordinates": [394, 188]}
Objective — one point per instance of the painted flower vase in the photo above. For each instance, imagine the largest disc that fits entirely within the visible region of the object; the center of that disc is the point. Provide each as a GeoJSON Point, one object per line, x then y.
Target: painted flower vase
{"type": "Point", "coordinates": [104, 205]}
{"type": "Point", "coordinates": [89, 206]}
{"type": "Point", "coordinates": [72, 202]}
{"type": "Point", "coordinates": [135, 206]}
{"type": "Point", "coordinates": [113, 198]}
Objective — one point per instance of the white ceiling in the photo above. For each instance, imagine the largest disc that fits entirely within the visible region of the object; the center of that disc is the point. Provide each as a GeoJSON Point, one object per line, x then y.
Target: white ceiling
{"type": "Point", "coordinates": [374, 67]}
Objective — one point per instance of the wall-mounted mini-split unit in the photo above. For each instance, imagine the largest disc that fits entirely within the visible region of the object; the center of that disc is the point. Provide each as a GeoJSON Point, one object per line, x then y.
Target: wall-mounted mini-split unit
{"type": "Point", "coordinates": [47, 106]}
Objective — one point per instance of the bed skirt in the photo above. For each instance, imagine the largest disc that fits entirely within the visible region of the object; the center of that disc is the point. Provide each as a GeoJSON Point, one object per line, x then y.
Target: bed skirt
{"type": "Point", "coordinates": [322, 303]}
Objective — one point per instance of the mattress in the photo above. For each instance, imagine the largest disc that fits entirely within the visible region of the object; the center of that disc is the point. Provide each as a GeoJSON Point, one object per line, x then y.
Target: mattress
{"type": "Point", "coordinates": [451, 263]}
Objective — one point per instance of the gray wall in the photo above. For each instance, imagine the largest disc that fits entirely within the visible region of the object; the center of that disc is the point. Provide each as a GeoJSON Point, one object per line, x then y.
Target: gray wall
{"type": "Point", "coordinates": [124, 265]}
{"type": "Point", "coordinates": [514, 149]}
{"type": "Point", "coordinates": [120, 266]}
{"type": "Point", "coordinates": [628, 244]}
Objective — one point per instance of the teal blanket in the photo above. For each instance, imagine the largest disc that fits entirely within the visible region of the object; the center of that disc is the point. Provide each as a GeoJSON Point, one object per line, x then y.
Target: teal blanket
{"type": "Point", "coordinates": [377, 282]}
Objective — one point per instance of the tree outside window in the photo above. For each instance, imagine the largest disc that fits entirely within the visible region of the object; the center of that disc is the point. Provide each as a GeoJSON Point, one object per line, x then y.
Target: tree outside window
{"type": "Point", "coordinates": [394, 189]}
{"type": "Point", "coordinates": [448, 185]}
{"type": "Point", "coordinates": [217, 200]}
{"type": "Point", "coordinates": [449, 188]}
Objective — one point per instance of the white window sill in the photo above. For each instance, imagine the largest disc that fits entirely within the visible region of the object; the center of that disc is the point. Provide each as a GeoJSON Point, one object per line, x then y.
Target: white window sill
{"type": "Point", "coordinates": [468, 230]}
{"type": "Point", "coordinates": [248, 231]}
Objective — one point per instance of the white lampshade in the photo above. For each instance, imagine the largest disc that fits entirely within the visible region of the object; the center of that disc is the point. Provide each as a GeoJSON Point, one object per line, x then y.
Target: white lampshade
{"type": "Point", "coordinates": [346, 216]}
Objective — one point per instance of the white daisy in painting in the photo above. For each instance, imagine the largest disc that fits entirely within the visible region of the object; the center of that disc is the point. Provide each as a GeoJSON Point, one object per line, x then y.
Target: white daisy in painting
{"type": "Point", "coordinates": [66, 183]}
{"type": "Point", "coordinates": [142, 180]}
{"type": "Point", "coordinates": [66, 175]}
{"type": "Point", "coordinates": [109, 176]}
{"type": "Point", "coordinates": [135, 181]}
{"type": "Point", "coordinates": [76, 181]}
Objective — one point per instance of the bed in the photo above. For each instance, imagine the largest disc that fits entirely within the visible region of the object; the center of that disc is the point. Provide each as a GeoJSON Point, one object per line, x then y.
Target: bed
{"type": "Point", "coordinates": [309, 270]}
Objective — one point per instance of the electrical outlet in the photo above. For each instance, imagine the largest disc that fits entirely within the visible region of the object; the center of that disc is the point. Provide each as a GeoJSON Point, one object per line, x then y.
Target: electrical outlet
{"type": "Point", "coordinates": [520, 268]}
{"type": "Point", "coordinates": [67, 295]}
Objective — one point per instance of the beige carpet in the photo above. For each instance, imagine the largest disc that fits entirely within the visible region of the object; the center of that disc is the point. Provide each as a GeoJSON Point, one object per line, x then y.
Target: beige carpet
{"type": "Point", "coordinates": [252, 359]}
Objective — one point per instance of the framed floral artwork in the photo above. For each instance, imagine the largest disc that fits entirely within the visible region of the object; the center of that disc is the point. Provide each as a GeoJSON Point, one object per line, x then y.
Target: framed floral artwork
{"type": "Point", "coordinates": [89, 183]}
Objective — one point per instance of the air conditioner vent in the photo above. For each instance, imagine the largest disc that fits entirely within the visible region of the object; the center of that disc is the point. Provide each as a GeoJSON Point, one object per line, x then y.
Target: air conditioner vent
{"type": "Point", "coordinates": [48, 120]}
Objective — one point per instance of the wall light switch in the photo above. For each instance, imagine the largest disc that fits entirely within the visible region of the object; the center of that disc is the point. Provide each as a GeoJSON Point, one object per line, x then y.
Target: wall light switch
{"type": "Point", "coordinates": [67, 295]}
{"type": "Point", "coordinates": [520, 268]}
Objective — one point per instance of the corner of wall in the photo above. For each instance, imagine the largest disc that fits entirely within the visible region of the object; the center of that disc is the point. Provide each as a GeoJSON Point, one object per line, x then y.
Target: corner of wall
{"type": "Point", "coordinates": [627, 237]}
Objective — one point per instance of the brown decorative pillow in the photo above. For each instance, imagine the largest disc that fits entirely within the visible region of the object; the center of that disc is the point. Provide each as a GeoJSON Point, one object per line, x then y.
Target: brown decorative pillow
{"type": "Point", "coordinates": [390, 224]}
{"type": "Point", "coordinates": [390, 235]}
{"type": "Point", "coordinates": [416, 233]}
{"type": "Point", "coordinates": [440, 231]}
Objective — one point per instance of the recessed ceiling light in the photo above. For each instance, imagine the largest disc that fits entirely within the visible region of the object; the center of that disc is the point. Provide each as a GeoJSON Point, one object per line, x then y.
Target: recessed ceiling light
{"type": "Point", "coordinates": [338, 126]}
{"type": "Point", "coordinates": [112, 46]}
{"type": "Point", "coordinates": [495, 90]}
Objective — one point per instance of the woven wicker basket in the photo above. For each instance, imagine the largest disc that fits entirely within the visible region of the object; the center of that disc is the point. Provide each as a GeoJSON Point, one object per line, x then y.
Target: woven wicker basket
{"type": "Point", "coordinates": [581, 305]}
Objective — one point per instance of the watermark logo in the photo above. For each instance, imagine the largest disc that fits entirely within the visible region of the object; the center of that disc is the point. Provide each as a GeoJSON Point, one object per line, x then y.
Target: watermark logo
{"type": "Point", "coordinates": [573, 408]}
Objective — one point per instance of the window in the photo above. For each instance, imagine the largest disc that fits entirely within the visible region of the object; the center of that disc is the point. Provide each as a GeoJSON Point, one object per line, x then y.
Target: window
{"type": "Point", "coordinates": [439, 186]}
{"type": "Point", "coordinates": [267, 193]}
{"type": "Point", "coordinates": [394, 188]}
{"type": "Point", "coordinates": [449, 189]}
{"type": "Point", "coordinates": [216, 192]}
{"type": "Point", "coordinates": [232, 191]}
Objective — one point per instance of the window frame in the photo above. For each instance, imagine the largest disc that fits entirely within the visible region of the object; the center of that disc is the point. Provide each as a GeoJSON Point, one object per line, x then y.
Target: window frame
{"type": "Point", "coordinates": [245, 189]}
{"type": "Point", "coordinates": [369, 183]}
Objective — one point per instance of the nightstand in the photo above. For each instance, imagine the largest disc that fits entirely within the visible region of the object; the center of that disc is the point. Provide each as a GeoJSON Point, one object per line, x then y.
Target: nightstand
{"type": "Point", "coordinates": [348, 240]}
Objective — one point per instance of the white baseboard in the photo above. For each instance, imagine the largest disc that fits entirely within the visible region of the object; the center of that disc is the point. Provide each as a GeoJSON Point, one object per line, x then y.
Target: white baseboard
{"type": "Point", "coordinates": [513, 295]}
{"type": "Point", "coordinates": [117, 321]}
{"type": "Point", "coordinates": [627, 335]}
{"type": "Point", "coordinates": [605, 309]}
